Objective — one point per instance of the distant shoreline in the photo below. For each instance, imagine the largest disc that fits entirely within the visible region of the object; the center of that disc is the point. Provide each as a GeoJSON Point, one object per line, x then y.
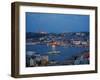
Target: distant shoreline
{"type": "Point", "coordinates": [59, 45]}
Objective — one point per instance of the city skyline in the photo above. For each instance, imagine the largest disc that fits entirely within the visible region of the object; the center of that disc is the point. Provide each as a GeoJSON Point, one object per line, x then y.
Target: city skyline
{"type": "Point", "coordinates": [56, 23]}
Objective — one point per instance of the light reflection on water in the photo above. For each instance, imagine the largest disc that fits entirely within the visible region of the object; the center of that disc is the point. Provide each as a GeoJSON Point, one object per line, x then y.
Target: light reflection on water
{"type": "Point", "coordinates": [65, 52]}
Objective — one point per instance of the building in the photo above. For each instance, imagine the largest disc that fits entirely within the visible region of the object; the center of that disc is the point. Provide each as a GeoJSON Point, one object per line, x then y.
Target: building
{"type": "Point", "coordinates": [76, 42]}
{"type": "Point", "coordinates": [84, 43]}
{"type": "Point", "coordinates": [32, 62]}
{"type": "Point", "coordinates": [44, 60]}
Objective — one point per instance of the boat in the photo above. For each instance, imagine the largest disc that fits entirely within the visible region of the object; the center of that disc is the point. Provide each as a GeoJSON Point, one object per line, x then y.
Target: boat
{"type": "Point", "coordinates": [54, 52]}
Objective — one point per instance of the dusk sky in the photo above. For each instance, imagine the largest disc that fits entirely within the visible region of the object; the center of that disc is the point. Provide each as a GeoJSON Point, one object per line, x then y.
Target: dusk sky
{"type": "Point", "coordinates": [56, 23]}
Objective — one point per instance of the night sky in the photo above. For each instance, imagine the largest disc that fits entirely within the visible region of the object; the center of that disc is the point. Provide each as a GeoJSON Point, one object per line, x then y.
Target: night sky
{"type": "Point", "coordinates": [56, 23]}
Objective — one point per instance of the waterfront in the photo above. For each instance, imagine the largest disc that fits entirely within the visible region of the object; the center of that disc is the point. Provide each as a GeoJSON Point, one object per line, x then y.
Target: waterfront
{"type": "Point", "coordinates": [66, 53]}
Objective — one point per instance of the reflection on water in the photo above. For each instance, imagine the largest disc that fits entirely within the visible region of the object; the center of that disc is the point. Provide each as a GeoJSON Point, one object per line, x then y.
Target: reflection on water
{"type": "Point", "coordinates": [55, 53]}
